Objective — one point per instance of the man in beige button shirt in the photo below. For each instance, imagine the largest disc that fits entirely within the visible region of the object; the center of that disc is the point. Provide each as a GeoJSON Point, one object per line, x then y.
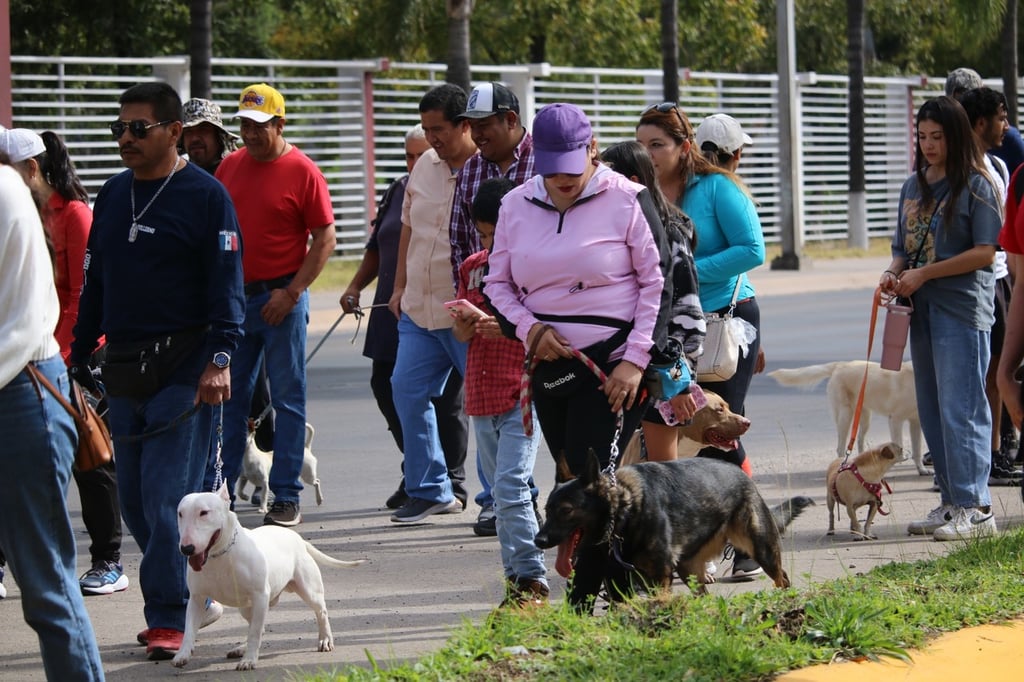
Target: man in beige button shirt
{"type": "Point", "coordinates": [427, 350]}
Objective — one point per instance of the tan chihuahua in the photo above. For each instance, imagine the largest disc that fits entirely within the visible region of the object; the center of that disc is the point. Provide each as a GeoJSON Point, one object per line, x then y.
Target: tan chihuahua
{"type": "Point", "coordinates": [857, 481]}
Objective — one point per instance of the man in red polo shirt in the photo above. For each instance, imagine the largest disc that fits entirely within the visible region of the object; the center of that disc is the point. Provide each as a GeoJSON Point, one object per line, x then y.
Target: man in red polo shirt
{"type": "Point", "coordinates": [282, 199]}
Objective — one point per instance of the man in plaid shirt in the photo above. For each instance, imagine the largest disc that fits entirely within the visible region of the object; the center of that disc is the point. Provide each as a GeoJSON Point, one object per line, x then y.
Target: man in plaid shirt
{"type": "Point", "coordinates": [505, 151]}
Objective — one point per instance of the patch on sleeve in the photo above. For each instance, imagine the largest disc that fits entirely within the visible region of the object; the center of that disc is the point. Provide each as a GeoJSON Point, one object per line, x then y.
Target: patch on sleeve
{"type": "Point", "coordinates": [228, 240]}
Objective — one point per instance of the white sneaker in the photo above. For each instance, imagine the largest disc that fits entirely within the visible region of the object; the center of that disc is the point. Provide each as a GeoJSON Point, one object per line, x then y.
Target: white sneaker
{"type": "Point", "coordinates": [936, 518]}
{"type": "Point", "coordinates": [967, 523]}
{"type": "Point", "coordinates": [214, 610]}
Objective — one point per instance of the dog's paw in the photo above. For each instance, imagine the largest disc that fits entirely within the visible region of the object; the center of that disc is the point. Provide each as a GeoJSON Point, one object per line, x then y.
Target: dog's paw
{"type": "Point", "coordinates": [326, 644]}
{"type": "Point", "coordinates": [319, 492]}
{"type": "Point", "coordinates": [246, 664]}
{"type": "Point", "coordinates": [180, 660]}
{"type": "Point", "coordinates": [237, 652]}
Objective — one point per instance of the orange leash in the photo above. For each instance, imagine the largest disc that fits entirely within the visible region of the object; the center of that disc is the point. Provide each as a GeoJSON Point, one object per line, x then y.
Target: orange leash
{"type": "Point", "coordinates": [876, 303]}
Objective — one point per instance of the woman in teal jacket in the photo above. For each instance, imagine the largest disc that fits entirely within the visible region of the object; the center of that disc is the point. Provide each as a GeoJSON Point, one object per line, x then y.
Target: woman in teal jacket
{"type": "Point", "coordinates": [729, 244]}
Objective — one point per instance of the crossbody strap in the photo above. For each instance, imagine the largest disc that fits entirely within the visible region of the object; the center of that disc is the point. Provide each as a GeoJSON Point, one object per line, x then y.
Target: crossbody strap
{"type": "Point", "coordinates": [40, 378]}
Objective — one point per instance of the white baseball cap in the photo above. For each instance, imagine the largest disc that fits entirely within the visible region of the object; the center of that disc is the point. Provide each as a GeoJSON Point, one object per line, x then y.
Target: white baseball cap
{"type": "Point", "coordinates": [724, 132]}
{"type": "Point", "coordinates": [20, 144]}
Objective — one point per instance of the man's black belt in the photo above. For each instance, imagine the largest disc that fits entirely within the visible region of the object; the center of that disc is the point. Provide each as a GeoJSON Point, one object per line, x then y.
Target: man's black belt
{"type": "Point", "coordinates": [264, 285]}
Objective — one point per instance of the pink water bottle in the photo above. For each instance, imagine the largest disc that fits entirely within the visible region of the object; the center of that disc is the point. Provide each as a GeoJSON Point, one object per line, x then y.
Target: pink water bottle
{"type": "Point", "coordinates": [894, 336]}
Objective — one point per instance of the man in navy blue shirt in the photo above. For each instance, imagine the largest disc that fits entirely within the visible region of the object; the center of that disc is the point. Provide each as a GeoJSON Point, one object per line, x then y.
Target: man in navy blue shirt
{"type": "Point", "coordinates": [163, 282]}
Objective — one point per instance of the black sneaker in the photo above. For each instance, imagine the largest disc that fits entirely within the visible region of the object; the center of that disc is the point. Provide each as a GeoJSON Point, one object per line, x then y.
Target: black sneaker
{"type": "Point", "coordinates": [398, 498]}
{"type": "Point", "coordinates": [1003, 473]}
{"type": "Point", "coordinates": [283, 514]}
{"type": "Point", "coordinates": [486, 525]}
{"type": "Point", "coordinates": [417, 509]}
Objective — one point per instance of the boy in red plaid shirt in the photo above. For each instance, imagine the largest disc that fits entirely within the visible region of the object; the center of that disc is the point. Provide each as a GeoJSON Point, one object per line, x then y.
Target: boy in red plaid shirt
{"type": "Point", "coordinates": [494, 366]}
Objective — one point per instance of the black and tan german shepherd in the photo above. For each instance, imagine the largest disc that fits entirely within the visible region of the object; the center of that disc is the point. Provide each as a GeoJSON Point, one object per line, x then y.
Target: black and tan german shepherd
{"type": "Point", "coordinates": [659, 518]}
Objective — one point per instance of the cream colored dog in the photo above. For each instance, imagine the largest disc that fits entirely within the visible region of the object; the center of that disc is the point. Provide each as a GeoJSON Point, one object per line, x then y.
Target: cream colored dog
{"type": "Point", "coordinates": [248, 569]}
{"type": "Point", "coordinates": [857, 481]}
{"type": "Point", "coordinates": [888, 393]}
{"type": "Point", "coordinates": [713, 425]}
{"type": "Point", "coordinates": [256, 465]}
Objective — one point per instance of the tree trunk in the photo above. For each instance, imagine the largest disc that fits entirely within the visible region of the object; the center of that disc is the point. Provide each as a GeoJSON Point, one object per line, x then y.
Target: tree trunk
{"type": "Point", "coordinates": [857, 208]}
{"type": "Point", "coordinates": [201, 47]}
{"type": "Point", "coordinates": [1009, 59]}
{"type": "Point", "coordinates": [459, 12]}
{"type": "Point", "coordinates": [670, 49]}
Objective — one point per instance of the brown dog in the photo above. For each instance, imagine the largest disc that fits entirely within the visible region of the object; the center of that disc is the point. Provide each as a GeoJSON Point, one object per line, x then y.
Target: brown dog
{"type": "Point", "coordinates": [858, 481]}
{"type": "Point", "coordinates": [712, 425]}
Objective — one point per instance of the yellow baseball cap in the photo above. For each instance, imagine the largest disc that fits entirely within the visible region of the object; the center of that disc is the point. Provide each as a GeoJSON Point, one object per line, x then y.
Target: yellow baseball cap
{"type": "Point", "coordinates": [260, 102]}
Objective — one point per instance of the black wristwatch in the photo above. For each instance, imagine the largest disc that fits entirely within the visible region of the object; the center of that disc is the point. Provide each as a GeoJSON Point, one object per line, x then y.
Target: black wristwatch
{"type": "Point", "coordinates": [221, 360]}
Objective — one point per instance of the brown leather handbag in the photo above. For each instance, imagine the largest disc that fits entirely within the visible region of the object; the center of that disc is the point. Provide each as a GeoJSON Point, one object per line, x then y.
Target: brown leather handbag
{"type": "Point", "coordinates": [95, 447]}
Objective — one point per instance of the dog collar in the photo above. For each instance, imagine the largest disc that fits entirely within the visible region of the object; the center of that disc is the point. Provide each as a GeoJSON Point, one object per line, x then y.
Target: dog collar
{"type": "Point", "coordinates": [873, 488]}
{"type": "Point", "coordinates": [231, 544]}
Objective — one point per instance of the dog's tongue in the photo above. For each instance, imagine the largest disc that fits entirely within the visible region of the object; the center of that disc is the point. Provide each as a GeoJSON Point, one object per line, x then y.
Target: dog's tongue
{"type": "Point", "coordinates": [716, 439]}
{"type": "Point", "coordinates": [197, 561]}
{"type": "Point", "coordinates": [566, 550]}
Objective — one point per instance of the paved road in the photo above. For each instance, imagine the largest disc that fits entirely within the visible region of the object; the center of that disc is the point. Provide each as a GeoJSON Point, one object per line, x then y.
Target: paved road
{"type": "Point", "coordinates": [422, 580]}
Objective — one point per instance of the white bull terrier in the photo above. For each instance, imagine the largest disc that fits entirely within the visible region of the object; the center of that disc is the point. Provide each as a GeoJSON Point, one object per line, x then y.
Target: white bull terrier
{"type": "Point", "coordinates": [248, 569]}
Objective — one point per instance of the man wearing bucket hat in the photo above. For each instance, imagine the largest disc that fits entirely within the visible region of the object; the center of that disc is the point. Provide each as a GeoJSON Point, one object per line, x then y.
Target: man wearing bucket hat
{"type": "Point", "coordinates": [204, 137]}
{"type": "Point", "coordinates": [282, 200]}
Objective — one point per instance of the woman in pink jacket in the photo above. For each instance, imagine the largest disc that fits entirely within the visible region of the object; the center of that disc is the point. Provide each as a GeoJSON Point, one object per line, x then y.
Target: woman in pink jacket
{"type": "Point", "coordinates": [578, 262]}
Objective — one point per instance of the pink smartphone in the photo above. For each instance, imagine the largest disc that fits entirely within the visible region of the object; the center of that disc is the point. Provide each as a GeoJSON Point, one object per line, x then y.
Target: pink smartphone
{"type": "Point", "coordinates": [465, 307]}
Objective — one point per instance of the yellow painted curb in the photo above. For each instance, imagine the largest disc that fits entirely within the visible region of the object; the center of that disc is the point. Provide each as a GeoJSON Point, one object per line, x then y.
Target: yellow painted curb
{"type": "Point", "coordinates": [987, 652]}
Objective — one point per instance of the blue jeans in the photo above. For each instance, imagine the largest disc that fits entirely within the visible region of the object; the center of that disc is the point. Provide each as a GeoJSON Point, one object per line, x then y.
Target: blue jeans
{"type": "Point", "coordinates": [153, 474]}
{"type": "Point", "coordinates": [950, 360]}
{"type": "Point", "coordinates": [507, 456]}
{"type": "Point", "coordinates": [425, 358]}
{"type": "Point", "coordinates": [35, 529]}
{"type": "Point", "coordinates": [284, 349]}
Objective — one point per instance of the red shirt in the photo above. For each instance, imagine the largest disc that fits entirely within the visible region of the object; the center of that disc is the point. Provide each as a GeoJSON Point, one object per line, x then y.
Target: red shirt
{"type": "Point", "coordinates": [68, 224]}
{"type": "Point", "coordinates": [1011, 238]}
{"type": "Point", "coordinates": [277, 202]}
{"type": "Point", "coordinates": [494, 367]}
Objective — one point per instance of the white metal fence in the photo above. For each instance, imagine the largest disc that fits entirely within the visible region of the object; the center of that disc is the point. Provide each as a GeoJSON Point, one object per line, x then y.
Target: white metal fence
{"type": "Point", "coordinates": [351, 116]}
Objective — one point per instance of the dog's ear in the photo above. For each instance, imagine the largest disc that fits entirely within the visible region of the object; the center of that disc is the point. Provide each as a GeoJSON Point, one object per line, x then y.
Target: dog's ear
{"type": "Point", "coordinates": [223, 493]}
{"type": "Point", "coordinates": [592, 467]}
{"type": "Point", "coordinates": [891, 451]}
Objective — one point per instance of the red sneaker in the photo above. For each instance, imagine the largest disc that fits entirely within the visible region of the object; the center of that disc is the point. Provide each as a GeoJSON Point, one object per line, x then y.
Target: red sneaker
{"type": "Point", "coordinates": [163, 643]}
{"type": "Point", "coordinates": [143, 637]}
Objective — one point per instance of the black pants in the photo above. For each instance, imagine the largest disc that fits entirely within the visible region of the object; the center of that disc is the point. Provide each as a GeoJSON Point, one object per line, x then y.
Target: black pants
{"type": "Point", "coordinates": [734, 391]}
{"type": "Point", "coordinates": [101, 511]}
{"type": "Point", "coordinates": [452, 425]}
{"type": "Point", "coordinates": [582, 421]}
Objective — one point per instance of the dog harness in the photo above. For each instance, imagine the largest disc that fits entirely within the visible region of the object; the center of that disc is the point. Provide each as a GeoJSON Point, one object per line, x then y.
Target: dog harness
{"type": "Point", "coordinates": [873, 488]}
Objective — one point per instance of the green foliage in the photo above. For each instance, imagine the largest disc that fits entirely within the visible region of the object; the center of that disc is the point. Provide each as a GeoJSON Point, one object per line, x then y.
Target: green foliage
{"type": "Point", "coordinates": [751, 636]}
{"type": "Point", "coordinates": [908, 36]}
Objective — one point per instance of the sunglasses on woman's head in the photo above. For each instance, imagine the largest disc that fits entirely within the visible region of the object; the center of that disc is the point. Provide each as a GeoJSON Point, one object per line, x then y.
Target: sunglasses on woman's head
{"type": "Point", "coordinates": [138, 128]}
{"type": "Point", "coordinates": [664, 108]}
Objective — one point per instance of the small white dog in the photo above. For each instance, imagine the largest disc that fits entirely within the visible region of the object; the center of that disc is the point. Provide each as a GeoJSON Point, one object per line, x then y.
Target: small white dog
{"type": "Point", "coordinates": [256, 465]}
{"type": "Point", "coordinates": [888, 393]}
{"type": "Point", "coordinates": [248, 569]}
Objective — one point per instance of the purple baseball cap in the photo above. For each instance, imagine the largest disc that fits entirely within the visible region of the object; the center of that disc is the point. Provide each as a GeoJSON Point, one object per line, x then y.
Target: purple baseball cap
{"type": "Point", "coordinates": [561, 140]}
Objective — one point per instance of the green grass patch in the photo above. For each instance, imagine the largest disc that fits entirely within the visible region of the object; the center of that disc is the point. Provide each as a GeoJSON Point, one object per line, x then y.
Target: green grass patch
{"type": "Point", "coordinates": [834, 248]}
{"type": "Point", "coordinates": [744, 638]}
{"type": "Point", "coordinates": [336, 275]}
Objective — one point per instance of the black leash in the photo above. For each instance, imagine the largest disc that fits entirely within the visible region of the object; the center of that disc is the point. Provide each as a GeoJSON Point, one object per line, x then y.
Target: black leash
{"type": "Point", "coordinates": [173, 424]}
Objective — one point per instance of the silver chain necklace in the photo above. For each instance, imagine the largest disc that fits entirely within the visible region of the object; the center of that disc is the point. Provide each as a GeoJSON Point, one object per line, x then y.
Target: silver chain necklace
{"type": "Point", "coordinates": [133, 233]}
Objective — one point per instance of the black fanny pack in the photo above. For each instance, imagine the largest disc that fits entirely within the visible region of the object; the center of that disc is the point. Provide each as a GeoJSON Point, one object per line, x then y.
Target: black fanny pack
{"type": "Point", "coordinates": [138, 369]}
{"type": "Point", "coordinates": [564, 376]}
